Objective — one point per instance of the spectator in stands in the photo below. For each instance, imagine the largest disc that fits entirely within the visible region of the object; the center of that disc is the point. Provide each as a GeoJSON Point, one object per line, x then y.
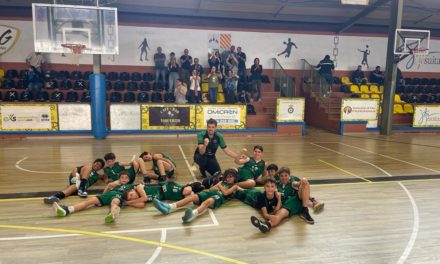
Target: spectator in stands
{"type": "Point", "coordinates": [231, 64]}
{"type": "Point", "coordinates": [185, 66]}
{"type": "Point", "coordinates": [173, 69]}
{"type": "Point", "coordinates": [213, 82]}
{"type": "Point", "coordinates": [180, 92]}
{"type": "Point", "coordinates": [256, 71]}
{"type": "Point", "coordinates": [358, 77]}
{"type": "Point", "coordinates": [377, 76]}
{"type": "Point", "coordinates": [195, 93]}
{"type": "Point", "coordinates": [196, 66]}
{"type": "Point", "coordinates": [159, 62]}
{"type": "Point", "coordinates": [231, 87]}
{"type": "Point", "coordinates": [226, 53]}
{"type": "Point", "coordinates": [215, 61]}
{"type": "Point", "coordinates": [35, 80]}
{"type": "Point", "coordinates": [36, 60]}
{"type": "Point", "coordinates": [241, 57]}
{"type": "Point", "coordinates": [326, 67]}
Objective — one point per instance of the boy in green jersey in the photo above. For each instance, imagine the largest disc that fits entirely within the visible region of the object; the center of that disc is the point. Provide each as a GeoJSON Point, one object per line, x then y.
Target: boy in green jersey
{"type": "Point", "coordinates": [114, 198]}
{"type": "Point", "coordinates": [163, 166]}
{"type": "Point", "coordinates": [214, 198]}
{"type": "Point", "coordinates": [253, 168]}
{"type": "Point", "coordinates": [80, 179]}
{"type": "Point", "coordinates": [113, 167]}
{"type": "Point", "coordinates": [297, 185]}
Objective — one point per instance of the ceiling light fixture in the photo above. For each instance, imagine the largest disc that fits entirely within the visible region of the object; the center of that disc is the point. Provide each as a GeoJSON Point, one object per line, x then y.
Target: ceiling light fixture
{"type": "Point", "coordinates": [354, 2]}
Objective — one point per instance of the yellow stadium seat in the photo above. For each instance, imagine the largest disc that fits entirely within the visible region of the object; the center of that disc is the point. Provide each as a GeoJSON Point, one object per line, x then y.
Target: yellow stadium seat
{"type": "Point", "coordinates": [397, 99]}
{"type": "Point", "coordinates": [374, 89]}
{"type": "Point", "coordinates": [354, 89]}
{"type": "Point", "coordinates": [365, 96]}
{"type": "Point", "coordinates": [220, 88]}
{"type": "Point", "coordinates": [398, 109]}
{"type": "Point", "coordinates": [375, 96]}
{"type": "Point", "coordinates": [345, 80]}
{"type": "Point", "coordinates": [205, 87]}
{"type": "Point", "coordinates": [364, 89]}
{"type": "Point", "coordinates": [220, 98]}
{"type": "Point", "coordinates": [381, 89]}
{"type": "Point", "coordinates": [408, 108]}
{"type": "Point", "coordinates": [204, 78]}
{"type": "Point", "coordinates": [2, 73]}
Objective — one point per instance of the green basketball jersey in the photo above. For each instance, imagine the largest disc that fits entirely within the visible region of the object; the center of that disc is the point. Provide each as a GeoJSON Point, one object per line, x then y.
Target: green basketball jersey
{"type": "Point", "coordinates": [113, 172]}
{"type": "Point", "coordinates": [251, 169]}
{"type": "Point", "coordinates": [286, 190]}
{"type": "Point", "coordinates": [153, 192]}
{"type": "Point", "coordinates": [172, 191]}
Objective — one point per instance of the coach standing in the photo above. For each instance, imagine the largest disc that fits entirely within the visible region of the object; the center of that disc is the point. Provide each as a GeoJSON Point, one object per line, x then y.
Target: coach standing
{"type": "Point", "coordinates": [208, 141]}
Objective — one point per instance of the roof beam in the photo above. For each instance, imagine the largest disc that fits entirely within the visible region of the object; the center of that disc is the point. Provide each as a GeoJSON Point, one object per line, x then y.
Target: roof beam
{"type": "Point", "coordinates": [362, 14]}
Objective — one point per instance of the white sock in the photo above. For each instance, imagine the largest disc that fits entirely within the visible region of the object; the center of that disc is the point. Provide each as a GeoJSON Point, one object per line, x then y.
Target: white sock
{"type": "Point", "coordinates": [71, 209]}
{"type": "Point", "coordinates": [173, 206]}
{"type": "Point", "coordinates": [195, 212]}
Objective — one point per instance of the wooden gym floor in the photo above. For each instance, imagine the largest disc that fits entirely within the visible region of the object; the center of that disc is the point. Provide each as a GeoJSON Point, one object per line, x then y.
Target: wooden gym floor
{"type": "Point", "coordinates": [381, 195]}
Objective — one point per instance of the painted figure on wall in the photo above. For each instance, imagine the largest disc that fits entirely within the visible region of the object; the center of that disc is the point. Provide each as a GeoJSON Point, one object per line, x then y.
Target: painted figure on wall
{"type": "Point", "coordinates": [288, 49]}
{"type": "Point", "coordinates": [144, 46]}
{"type": "Point", "coordinates": [365, 52]}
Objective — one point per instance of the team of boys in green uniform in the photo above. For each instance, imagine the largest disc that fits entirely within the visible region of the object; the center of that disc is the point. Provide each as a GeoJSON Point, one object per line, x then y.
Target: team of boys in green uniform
{"type": "Point", "coordinates": [283, 196]}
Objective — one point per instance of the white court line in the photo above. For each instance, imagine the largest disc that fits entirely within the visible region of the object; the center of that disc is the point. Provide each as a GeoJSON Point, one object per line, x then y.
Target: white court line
{"type": "Point", "coordinates": [415, 229]}
{"type": "Point", "coordinates": [36, 237]}
{"type": "Point", "coordinates": [163, 237]}
{"type": "Point", "coordinates": [389, 157]}
{"type": "Point", "coordinates": [214, 219]}
{"type": "Point", "coordinates": [343, 154]}
{"type": "Point", "coordinates": [17, 165]}
{"type": "Point", "coordinates": [187, 163]}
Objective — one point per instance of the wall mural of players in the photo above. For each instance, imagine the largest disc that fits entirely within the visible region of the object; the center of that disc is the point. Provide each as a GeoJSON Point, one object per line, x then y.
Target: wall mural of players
{"type": "Point", "coordinates": [144, 46]}
{"type": "Point", "coordinates": [365, 52]}
{"type": "Point", "coordinates": [288, 49]}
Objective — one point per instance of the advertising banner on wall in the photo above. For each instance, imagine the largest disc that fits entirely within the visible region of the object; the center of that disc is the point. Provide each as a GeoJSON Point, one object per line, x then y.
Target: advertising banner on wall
{"type": "Point", "coordinates": [74, 117]}
{"type": "Point", "coordinates": [125, 117]}
{"type": "Point", "coordinates": [28, 117]}
{"type": "Point", "coordinates": [426, 116]}
{"type": "Point", "coordinates": [290, 109]}
{"type": "Point", "coordinates": [227, 116]}
{"type": "Point", "coordinates": [355, 109]}
{"type": "Point", "coordinates": [168, 117]}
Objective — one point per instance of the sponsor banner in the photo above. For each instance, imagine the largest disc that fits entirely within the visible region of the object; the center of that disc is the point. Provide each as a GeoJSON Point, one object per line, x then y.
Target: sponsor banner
{"type": "Point", "coordinates": [426, 116]}
{"type": "Point", "coordinates": [290, 109]}
{"type": "Point", "coordinates": [354, 109]}
{"type": "Point", "coordinates": [168, 117]}
{"type": "Point", "coordinates": [8, 37]}
{"type": "Point", "coordinates": [74, 117]}
{"type": "Point", "coordinates": [372, 124]}
{"type": "Point", "coordinates": [227, 116]}
{"type": "Point", "coordinates": [28, 117]}
{"type": "Point", "coordinates": [125, 117]}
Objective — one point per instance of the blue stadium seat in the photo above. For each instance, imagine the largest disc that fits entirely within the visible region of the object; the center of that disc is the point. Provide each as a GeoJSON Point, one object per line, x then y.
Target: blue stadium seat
{"type": "Point", "coordinates": [11, 74]}
{"type": "Point", "coordinates": [52, 84]}
{"type": "Point", "coordinates": [129, 97]}
{"type": "Point", "coordinates": [156, 97]}
{"type": "Point", "coordinates": [119, 86]}
{"type": "Point", "coordinates": [169, 98]}
{"type": "Point", "coordinates": [132, 86]}
{"type": "Point", "coordinates": [136, 76]}
{"type": "Point", "coordinates": [158, 86]}
{"type": "Point", "coordinates": [145, 86]}
{"type": "Point", "coordinates": [124, 76]}
{"type": "Point", "coordinates": [76, 75]}
{"type": "Point", "coordinates": [65, 84]}
{"type": "Point", "coordinates": [21, 84]}
{"type": "Point", "coordinates": [143, 97]}
{"type": "Point", "coordinates": [87, 74]}
{"type": "Point", "coordinates": [42, 96]}
{"type": "Point", "coordinates": [71, 96]}
{"type": "Point", "coordinates": [115, 97]}
{"type": "Point", "coordinates": [8, 84]}
{"type": "Point", "coordinates": [57, 96]}
{"type": "Point", "coordinates": [112, 76]}
{"type": "Point", "coordinates": [85, 97]}
{"type": "Point", "coordinates": [147, 77]}
{"type": "Point", "coordinates": [108, 85]}
{"type": "Point", "coordinates": [79, 85]}
{"type": "Point", "coordinates": [25, 97]}
{"type": "Point", "coordinates": [11, 95]}
{"type": "Point", "coordinates": [63, 75]}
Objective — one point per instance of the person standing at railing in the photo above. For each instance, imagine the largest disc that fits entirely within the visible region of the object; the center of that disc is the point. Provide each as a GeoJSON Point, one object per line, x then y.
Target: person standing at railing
{"type": "Point", "coordinates": [256, 71]}
{"type": "Point", "coordinates": [326, 67]}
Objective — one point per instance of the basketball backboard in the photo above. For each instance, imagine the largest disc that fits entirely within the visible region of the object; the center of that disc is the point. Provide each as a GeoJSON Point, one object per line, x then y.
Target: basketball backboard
{"type": "Point", "coordinates": [57, 25]}
{"type": "Point", "coordinates": [410, 41]}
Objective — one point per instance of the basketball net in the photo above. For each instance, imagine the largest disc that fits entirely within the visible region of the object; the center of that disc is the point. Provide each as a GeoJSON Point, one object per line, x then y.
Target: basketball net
{"type": "Point", "coordinates": [76, 52]}
{"type": "Point", "coordinates": [419, 56]}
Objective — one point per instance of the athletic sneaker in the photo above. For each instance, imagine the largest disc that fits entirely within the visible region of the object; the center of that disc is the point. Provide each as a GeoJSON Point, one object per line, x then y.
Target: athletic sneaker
{"type": "Point", "coordinates": [82, 194]}
{"type": "Point", "coordinates": [147, 179]}
{"type": "Point", "coordinates": [317, 206]}
{"type": "Point", "coordinates": [60, 210]}
{"type": "Point", "coordinates": [51, 199]}
{"type": "Point", "coordinates": [189, 215]}
{"type": "Point", "coordinates": [164, 208]}
{"type": "Point", "coordinates": [306, 216]}
{"type": "Point", "coordinates": [260, 224]}
{"type": "Point", "coordinates": [113, 215]}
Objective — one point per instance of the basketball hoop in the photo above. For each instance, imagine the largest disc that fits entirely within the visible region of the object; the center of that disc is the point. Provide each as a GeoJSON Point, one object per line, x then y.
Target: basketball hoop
{"type": "Point", "coordinates": [76, 51]}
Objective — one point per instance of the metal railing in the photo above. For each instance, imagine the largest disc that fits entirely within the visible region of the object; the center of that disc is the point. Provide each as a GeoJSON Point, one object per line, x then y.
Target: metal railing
{"type": "Point", "coordinates": [312, 81]}
{"type": "Point", "coordinates": [282, 81]}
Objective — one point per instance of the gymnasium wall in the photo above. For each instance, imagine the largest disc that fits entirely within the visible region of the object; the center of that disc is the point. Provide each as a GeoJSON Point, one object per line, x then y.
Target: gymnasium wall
{"type": "Point", "coordinates": [312, 47]}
